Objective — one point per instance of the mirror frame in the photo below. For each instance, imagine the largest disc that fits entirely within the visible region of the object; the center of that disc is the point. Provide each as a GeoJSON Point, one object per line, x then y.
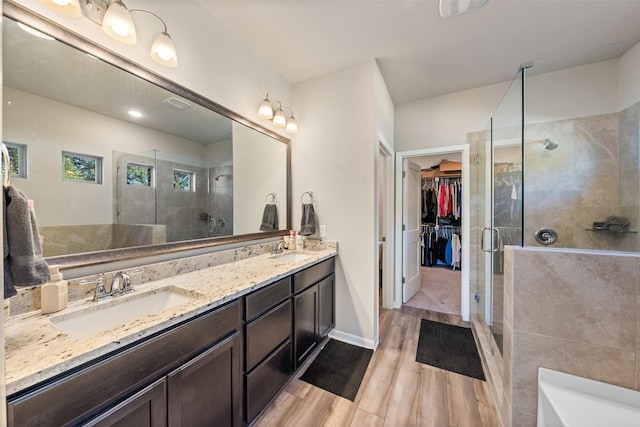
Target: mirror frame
{"type": "Point", "coordinates": [21, 14]}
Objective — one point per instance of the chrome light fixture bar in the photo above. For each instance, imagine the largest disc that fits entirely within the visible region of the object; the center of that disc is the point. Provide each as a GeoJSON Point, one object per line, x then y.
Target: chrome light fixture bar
{"type": "Point", "coordinates": [116, 21]}
{"type": "Point", "coordinates": [275, 112]}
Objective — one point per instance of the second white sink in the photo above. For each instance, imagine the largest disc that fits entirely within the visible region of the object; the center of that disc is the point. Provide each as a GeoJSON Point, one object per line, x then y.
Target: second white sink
{"type": "Point", "coordinates": [293, 257]}
{"type": "Point", "coordinates": [119, 311]}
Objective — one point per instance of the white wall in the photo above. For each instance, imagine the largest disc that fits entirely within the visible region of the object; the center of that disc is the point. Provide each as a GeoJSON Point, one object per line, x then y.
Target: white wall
{"type": "Point", "coordinates": [256, 159]}
{"type": "Point", "coordinates": [584, 91]}
{"type": "Point", "coordinates": [48, 127]}
{"type": "Point", "coordinates": [334, 156]}
{"type": "Point", "coordinates": [629, 78]}
{"type": "Point", "coordinates": [445, 120]}
{"type": "Point", "coordinates": [574, 92]}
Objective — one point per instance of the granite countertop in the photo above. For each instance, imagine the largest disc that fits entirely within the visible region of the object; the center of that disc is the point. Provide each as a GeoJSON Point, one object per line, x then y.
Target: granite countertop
{"type": "Point", "coordinates": [36, 349]}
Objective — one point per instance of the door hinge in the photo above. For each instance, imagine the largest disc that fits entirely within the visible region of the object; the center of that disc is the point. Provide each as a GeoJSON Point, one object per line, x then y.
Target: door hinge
{"type": "Point", "coordinates": [404, 174]}
{"type": "Point", "coordinates": [403, 280]}
{"type": "Point", "coordinates": [403, 227]}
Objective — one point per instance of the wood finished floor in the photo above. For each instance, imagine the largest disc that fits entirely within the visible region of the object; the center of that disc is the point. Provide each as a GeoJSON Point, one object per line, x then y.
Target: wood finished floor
{"type": "Point", "coordinates": [396, 390]}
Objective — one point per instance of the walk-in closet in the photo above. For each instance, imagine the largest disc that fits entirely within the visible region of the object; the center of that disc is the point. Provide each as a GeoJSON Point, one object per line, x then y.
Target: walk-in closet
{"type": "Point", "coordinates": [441, 235]}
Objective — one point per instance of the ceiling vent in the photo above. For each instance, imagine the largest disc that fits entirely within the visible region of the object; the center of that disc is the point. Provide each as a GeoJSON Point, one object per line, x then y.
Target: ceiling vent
{"type": "Point", "coordinates": [177, 103]}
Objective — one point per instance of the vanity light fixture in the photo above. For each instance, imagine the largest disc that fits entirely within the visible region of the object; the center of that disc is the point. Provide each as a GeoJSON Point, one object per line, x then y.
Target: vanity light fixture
{"type": "Point", "coordinates": [116, 21]}
{"type": "Point", "coordinates": [275, 112]}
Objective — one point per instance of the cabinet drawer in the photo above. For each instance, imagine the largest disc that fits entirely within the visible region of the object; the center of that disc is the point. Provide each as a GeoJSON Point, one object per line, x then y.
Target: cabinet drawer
{"type": "Point", "coordinates": [265, 298]}
{"type": "Point", "coordinates": [305, 278]}
{"type": "Point", "coordinates": [267, 332]}
{"type": "Point", "coordinates": [267, 379]}
{"type": "Point", "coordinates": [102, 383]}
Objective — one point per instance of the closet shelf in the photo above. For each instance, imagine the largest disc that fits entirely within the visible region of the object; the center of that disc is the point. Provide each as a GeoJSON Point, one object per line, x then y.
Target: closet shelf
{"type": "Point", "coordinates": [611, 231]}
{"type": "Point", "coordinates": [438, 174]}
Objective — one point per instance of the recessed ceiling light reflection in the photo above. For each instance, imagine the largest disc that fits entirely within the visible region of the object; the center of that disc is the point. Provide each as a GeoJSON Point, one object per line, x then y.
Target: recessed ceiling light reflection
{"type": "Point", "coordinates": [135, 114]}
{"type": "Point", "coordinates": [34, 32]}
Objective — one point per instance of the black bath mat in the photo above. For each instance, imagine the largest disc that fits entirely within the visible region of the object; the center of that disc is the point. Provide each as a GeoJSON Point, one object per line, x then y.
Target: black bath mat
{"type": "Point", "coordinates": [449, 347]}
{"type": "Point", "coordinates": [339, 368]}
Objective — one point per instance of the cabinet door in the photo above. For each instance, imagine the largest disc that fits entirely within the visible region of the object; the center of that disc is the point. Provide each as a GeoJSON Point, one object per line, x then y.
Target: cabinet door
{"type": "Point", "coordinates": [326, 289]}
{"type": "Point", "coordinates": [305, 323]}
{"type": "Point", "coordinates": [147, 408]}
{"type": "Point", "coordinates": [206, 391]}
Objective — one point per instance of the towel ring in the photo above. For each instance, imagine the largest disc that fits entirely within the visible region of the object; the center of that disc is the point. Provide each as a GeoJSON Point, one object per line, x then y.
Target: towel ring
{"type": "Point", "coordinates": [6, 176]}
{"type": "Point", "coordinates": [309, 193]}
{"type": "Point", "coordinates": [274, 196]}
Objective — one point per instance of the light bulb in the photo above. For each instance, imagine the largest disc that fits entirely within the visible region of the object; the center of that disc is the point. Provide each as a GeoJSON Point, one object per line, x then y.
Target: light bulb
{"type": "Point", "coordinates": [66, 7]}
{"type": "Point", "coordinates": [279, 119]}
{"type": "Point", "coordinates": [292, 125]}
{"type": "Point", "coordinates": [118, 25]}
{"type": "Point", "coordinates": [163, 51]}
{"type": "Point", "coordinates": [264, 110]}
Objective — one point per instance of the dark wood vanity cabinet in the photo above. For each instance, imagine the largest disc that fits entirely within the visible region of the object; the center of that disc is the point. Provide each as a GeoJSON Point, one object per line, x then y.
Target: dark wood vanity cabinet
{"type": "Point", "coordinates": [147, 408]}
{"type": "Point", "coordinates": [220, 368]}
{"type": "Point", "coordinates": [206, 391]}
{"type": "Point", "coordinates": [313, 308]}
{"type": "Point", "coordinates": [183, 370]}
{"type": "Point", "coordinates": [268, 364]}
{"type": "Point", "coordinates": [284, 322]}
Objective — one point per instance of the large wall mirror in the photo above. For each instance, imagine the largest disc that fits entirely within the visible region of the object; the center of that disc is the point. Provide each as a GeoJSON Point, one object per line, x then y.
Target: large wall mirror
{"type": "Point", "coordinates": [121, 162]}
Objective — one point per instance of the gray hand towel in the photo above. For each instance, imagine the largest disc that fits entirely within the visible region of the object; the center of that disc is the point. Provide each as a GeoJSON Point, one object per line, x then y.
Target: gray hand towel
{"type": "Point", "coordinates": [269, 218]}
{"type": "Point", "coordinates": [307, 225]}
{"type": "Point", "coordinates": [23, 250]}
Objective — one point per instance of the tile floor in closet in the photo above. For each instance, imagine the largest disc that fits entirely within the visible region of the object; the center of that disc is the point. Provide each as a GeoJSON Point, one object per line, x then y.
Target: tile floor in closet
{"type": "Point", "coordinates": [440, 290]}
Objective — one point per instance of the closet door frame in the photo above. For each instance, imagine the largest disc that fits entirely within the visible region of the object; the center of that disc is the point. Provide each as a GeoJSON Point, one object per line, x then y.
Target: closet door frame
{"type": "Point", "coordinates": [465, 151]}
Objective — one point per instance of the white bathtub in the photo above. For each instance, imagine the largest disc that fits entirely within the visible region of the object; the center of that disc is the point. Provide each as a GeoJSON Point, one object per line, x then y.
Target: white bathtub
{"type": "Point", "coordinates": [567, 400]}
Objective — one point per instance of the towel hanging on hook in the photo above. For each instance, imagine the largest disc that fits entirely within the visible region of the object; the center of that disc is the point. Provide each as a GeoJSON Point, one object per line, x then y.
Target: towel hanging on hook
{"type": "Point", "coordinates": [307, 223]}
{"type": "Point", "coordinates": [270, 220]}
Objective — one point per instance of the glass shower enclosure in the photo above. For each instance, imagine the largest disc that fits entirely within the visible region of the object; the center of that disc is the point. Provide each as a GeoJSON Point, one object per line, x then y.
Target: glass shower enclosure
{"type": "Point", "coordinates": [165, 197]}
{"type": "Point", "coordinates": [498, 211]}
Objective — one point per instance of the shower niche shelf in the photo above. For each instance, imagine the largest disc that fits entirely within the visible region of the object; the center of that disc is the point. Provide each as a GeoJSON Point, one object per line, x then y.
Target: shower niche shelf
{"type": "Point", "coordinates": [611, 231]}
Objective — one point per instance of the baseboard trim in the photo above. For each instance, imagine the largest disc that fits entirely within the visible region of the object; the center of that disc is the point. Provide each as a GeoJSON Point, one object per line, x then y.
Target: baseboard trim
{"type": "Point", "coordinates": [352, 339]}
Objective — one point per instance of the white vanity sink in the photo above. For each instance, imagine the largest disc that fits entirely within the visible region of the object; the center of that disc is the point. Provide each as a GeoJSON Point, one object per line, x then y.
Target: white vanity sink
{"type": "Point", "coordinates": [292, 257]}
{"type": "Point", "coordinates": [121, 310]}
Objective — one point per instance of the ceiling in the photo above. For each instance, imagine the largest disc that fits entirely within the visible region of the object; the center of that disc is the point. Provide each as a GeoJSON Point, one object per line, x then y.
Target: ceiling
{"type": "Point", "coordinates": [420, 54]}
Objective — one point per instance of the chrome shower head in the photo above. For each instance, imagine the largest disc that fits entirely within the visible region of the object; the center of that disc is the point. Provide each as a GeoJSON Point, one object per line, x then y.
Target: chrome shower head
{"type": "Point", "coordinates": [549, 145]}
{"type": "Point", "coordinates": [217, 178]}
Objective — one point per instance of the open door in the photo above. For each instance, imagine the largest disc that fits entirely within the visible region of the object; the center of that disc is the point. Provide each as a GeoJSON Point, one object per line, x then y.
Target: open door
{"type": "Point", "coordinates": [411, 183]}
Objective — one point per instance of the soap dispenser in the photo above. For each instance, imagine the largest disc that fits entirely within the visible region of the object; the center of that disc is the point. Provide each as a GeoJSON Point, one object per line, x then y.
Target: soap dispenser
{"type": "Point", "coordinates": [54, 293]}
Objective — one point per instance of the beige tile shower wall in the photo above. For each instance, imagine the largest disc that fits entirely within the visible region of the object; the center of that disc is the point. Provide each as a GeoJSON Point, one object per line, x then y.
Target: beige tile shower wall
{"type": "Point", "coordinates": [73, 239]}
{"type": "Point", "coordinates": [594, 173]}
{"type": "Point", "coordinates": [573, 311]}
{"type": "Point", "coordinates": [569, 188]}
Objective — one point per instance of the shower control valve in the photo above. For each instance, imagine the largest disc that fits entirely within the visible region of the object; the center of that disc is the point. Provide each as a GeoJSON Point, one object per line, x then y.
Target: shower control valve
{"type": "Point", "coordinates": [546, 236]}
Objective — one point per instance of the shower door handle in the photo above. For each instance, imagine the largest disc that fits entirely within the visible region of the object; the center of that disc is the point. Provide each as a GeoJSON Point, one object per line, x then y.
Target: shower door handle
{"type": "Point", "coordinates": [495, 246]}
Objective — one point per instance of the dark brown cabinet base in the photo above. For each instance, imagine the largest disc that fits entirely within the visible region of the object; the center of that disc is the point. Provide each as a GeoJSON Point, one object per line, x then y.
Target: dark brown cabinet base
{"type": "Point", "coordinates": [207, 391]}
{"type": "Point", "coordinates": [220, 368]}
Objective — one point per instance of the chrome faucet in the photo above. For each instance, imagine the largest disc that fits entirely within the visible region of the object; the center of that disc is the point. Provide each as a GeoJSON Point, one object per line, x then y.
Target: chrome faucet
{"type": "Point", "coordinates": [278, 248]}
{"type": "Point", "coordinates": [121, 283]}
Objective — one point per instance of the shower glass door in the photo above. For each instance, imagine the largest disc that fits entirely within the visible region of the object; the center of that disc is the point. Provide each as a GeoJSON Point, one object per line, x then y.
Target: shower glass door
{"type": "Point", "coordinates": [503, 215]}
